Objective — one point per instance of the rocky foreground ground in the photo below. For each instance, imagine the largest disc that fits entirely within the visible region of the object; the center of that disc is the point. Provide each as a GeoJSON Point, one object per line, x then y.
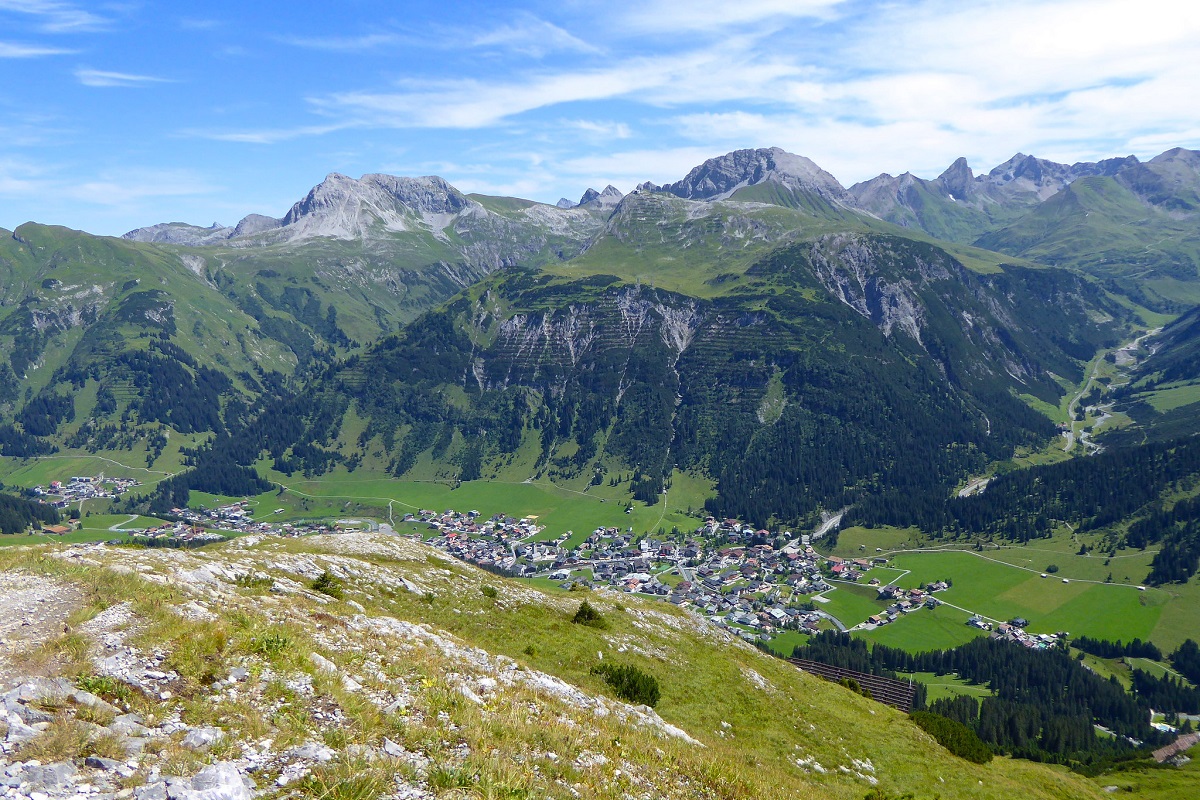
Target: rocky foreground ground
{"type": "Point", "coordinates": [372, 667]}
{"type": "Point", "coordinates": [161, 724]}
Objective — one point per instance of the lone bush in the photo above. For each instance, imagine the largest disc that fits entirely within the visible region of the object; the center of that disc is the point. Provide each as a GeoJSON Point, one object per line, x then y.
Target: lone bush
{"type": "Point", "coordinates": [630, 683]}
{"type": "Point", "coordinates": [855, 686]}
{"type": "Point", "coordinates": [588, 615]}
{"type": "Point", "coordinates": [954, 736]}
{"type": "Point", "coordinates": [327, 584]}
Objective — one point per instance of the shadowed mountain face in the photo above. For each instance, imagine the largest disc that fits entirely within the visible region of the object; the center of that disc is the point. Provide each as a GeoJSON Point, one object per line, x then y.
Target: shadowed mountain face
{"type": "Point", "coordinates": [847, 365]}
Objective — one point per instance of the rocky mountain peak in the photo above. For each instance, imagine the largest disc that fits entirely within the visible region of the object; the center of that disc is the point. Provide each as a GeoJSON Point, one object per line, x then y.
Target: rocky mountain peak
{"type": "Point", "coordinates": [342, 207]}
{"type": "Point", "coordinates": [718, 178]}
{"type": "Point", "coordinates": [179, 233]}
{"type": "Point", "coordinates": [564, 203]}
{"type": "Point", "coordinates": [605, 199]}
{"type": "Point", "coordinates": [957, 180]}
{"type": "Point", "coordinates": [1034, 177]}
{"type": "Point", "coordinates": [255, 223]}
{"type": "Point", "coordinates": [429, 194]}
{"type": "Point", "coordinates": [335, 190]}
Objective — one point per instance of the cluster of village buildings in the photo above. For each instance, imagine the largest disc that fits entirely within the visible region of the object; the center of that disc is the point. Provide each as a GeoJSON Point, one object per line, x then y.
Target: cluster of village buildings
{"type": "Point", "coordinates": [904, 601]}
{"type": "Point", "coordinates": [724, 570]}
{"type": "Point", "coordinates": [238, 518]}
{"type": "Point", "coordinates": [84, 487]}
{"type": "Point", "coordinates": [1014, 631]}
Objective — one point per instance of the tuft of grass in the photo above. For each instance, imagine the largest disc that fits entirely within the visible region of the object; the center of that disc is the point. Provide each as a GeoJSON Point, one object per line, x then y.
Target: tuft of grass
{"type": "Point", "coordinates": [68, 653]}
{"type": "Point", "coordinates": [95, 715]}
{"type": "Point", "coordinates": [106, 745]}
{"type": "Point", "coordinates": [490, 592]}
{"type": "Point", "coordinates": [177, 760]}
{"type": "Point", "coordinates": [270, 644]}
{"type": "Point", "coordinates": [104, 687]}
{"type": "Point", "coordinates": [347, 780]}
{"type": "Point", "coordinates": [66, 738]}
{"type": "Point", "coordinates": [253, 581]}
{"type": "Point", "coordinates": [199, 657]}
{"type": "Point", "coordinates": [444, 778]}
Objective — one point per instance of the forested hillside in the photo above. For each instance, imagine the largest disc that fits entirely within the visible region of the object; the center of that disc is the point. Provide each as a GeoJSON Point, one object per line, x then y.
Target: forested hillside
{"type": "Point", "coordinates": [1131, 493]}
{"type": "Point", "coordinates": [832, 370]}
{"type": "Point", "coordinates": [1043, 705]}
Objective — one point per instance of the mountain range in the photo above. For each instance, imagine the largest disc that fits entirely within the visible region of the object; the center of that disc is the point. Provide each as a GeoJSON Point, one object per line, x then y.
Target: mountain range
{"type": "Point", "coordinates": [755, 306]}
{"type": "Point", "coordinates": [1142, 215]}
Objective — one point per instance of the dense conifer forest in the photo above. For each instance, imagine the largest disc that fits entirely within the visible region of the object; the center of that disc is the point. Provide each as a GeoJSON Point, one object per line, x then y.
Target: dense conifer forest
{"type": "Point", "coordinates": [1090, 493]}
{"type": "Point", "coordinates": [17, 514]}
{"type": "Point", "coordinates": [1045, 703]}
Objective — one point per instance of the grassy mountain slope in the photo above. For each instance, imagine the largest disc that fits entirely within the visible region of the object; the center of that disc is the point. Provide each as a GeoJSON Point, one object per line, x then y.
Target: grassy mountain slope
{"type": "Point", "coordinates": [914, 204]}
{"type": "Point", "coordinates": [1131, 223]}
{"type": "Point", "coordinates": [384, 278]}
{"type": "Point", "coordinates": [115, 345]}
{"type": "Point", "coordinates": [58, 283]}
{"type": "Point", "coordinates": [484, 690]}
{"type": "Point", "coordinates": [1162, 395]}
{"type": "Point", "coordinates": [1099, 226]}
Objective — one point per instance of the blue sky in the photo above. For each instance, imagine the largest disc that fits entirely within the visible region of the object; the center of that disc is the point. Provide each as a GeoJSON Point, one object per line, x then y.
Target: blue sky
{"type": "Point", "coordinates": [117, 115]}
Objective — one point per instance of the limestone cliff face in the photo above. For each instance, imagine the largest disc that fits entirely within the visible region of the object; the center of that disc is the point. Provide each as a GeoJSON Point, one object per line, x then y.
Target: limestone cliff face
{"type": "Point", "coordinates": [544, 348]}
{"type": "Point", "coordinates": [853, 269]}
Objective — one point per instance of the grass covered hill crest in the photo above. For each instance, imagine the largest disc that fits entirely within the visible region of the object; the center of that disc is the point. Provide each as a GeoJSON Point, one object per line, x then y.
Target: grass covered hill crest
{"type": "Point", "coordinates": [404, 674]}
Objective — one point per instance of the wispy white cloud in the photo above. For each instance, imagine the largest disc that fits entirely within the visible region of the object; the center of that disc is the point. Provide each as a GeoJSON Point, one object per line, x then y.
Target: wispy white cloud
{"type": "Point", "coordinates": [532, 36]}
{"type": "Point", "coordinates": [526, 34]}
{"type": "Point", "coordinates": [199, 24]}
{"type": "Point", "coordinates": [19, 177]}
{"type": "Point", "coordinates": [57, 17]}
{"type": "Point", "coordinates": [22, 128]}
{"type": "Point", "coordinates": [472, 103]}
{"type": "Point", "coordinates": [135, 186]}
{"type": "Point", "coordinates": [656, 16]}
{"type": "Point", "coordinates": [631, 167]}
{"type": "Point", "coordinates": [19, 50]}
{"type": "Point", "coordinates": [599, 130]}
{"type": "Point", "coordinates": [350, 44]}
{"type": "Point", "coordinates": [729, 70]}
{"type": "Point", "coordinates": [267, 135]}
{"type": "Point", "coordinates": [106, 79]}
